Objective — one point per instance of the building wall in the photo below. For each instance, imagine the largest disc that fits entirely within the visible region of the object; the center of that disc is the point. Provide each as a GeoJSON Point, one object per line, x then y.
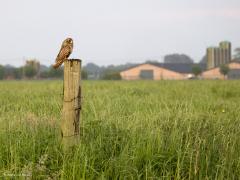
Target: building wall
{"type": "Point", "coordinates": [158, 73]}
{"type": "Point", "coordinates": [215, 72]}
{"type": "Point", "coordinates": [234, 65]}
{"type": "Point", "coordinates": [212, 74]}
{"type": "Point", "coordinates": [234, 74]}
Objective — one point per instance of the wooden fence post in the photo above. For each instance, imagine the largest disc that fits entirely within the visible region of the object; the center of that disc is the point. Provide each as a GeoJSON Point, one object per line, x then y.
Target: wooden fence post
{"type": "Point", "coordinates": [70, 124]}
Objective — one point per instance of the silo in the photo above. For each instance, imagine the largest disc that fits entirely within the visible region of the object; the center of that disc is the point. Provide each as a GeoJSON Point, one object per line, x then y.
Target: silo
{"type": "Point", "coordinates": [226, 49]}
{"type": "Point", "coordinates": [211, 57]}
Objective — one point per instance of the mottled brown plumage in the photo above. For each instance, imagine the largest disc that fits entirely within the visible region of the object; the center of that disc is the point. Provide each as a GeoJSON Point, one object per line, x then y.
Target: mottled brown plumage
{"type": "Point", "coordinates": [65, 51]}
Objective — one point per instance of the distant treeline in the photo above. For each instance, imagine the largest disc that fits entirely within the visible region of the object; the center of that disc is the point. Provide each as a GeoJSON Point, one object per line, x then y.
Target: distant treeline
{"type": "Point", "coordinates": [29, 72]}
{"type": "Point", "coordinates": [9, 72]}
{"type": "Point", "coordinates": [94, 71]}
{"type": "Point", "coordinates": [90, 71]}
{"type": "Point", "coordinates": [33, 70]}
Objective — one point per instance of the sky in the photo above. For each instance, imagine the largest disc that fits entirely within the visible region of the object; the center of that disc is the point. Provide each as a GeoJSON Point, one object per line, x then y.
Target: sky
{"type": "Point", "coordinates": [115, 31]}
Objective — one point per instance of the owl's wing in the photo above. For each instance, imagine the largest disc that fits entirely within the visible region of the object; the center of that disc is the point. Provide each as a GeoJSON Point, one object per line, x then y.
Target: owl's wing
{"type": "Point", "coordinates": [64, 53]}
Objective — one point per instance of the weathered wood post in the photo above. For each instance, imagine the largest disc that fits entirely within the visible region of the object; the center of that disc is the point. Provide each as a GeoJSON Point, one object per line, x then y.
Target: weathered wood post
{"type": "Point", "coordinates": [70, 124]}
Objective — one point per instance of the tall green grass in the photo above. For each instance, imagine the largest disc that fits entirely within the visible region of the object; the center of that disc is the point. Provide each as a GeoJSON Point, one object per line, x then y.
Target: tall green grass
{"type": "Point", "coordinates": [130, 130]}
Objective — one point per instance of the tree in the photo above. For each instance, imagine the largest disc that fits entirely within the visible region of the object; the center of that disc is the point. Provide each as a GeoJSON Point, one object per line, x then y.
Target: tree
{"type": "Point", "coordinates": [237, 53]}
{"type": "Point", "coordinates": [84, 74]}
{"type": "Point", "coordinates": [18, 73]}
{"type": "Point", "coordinates": [1, 72]}
{"type": "Point", "coordinates": [9, 72]}
{"type": "Point", "coordinates": [55, 73]}
{"type": "Point", "coordinates": [93, 70]}
{"type": "Point", "coordinates": [196, 71]}
{"type": "Point", "coordinates": [30, 71]}
{"type": "Point", "coordinates": [111, 75]}
{"type": "Point", "coordinates": [151, 61]}
{"type": "Point", "coordinates": [178, 58]}
{"type": "Point", "coordinates": [224, 69]}
{"type": "Point", "coordinates": [44, 74]}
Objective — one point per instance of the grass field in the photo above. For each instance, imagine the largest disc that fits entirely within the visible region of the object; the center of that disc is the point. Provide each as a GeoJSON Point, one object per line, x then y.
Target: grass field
{"type": "Point", "coordinates": [130, 130]}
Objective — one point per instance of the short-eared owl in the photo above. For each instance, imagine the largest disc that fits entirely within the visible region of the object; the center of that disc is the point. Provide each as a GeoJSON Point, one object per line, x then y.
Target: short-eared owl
{"type": "Point", "coordinates": [64, 53]}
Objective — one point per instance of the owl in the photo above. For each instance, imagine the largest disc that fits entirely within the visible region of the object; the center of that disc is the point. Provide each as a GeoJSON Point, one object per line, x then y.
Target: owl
{"type": "Point", "coordinates": [64, 53]}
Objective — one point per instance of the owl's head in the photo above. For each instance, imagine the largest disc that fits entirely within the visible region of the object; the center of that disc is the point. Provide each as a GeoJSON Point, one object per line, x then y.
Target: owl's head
{"type": "Point", "coordinates": [68, 41]}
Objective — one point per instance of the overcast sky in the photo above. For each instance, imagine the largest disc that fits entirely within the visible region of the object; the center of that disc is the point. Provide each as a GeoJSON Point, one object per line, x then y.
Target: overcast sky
{"type": "Point", "coordinates": [115, 31]}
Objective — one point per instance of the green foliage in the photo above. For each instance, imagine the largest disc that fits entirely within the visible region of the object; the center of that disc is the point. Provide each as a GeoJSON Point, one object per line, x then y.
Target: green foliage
{"type": "Point", "coordinates": [10, 72]}
{"type": "Point", "coordinates": [1, 72]}
{"type": "Point", "coordinates": [237, 53]}
{"type": "Point", "coordinates": [29, 71]}
{"type": "Point", "coordinates": [84, 74]}
{"type": "Point", "coordinates": [111, 75]}
{"type": "Point", "coordinates": [44, 74]}
{"type": "Point", "coordinates": [224, 69]}
{"type": "Point", "coordinates": [177, 58]}
{"type": "Point", "coordinates": [52, 73]}
{"type": "Point", "coordinates": [196, 70]}
{"type": "Point", "coordinates": [18, 73]}
{"type": "Point", "coordinates": [95, 72]}
{"type": "Point", "coordinates": [55, 73]}
{"type": "Point", "coordinates": [130, 130]}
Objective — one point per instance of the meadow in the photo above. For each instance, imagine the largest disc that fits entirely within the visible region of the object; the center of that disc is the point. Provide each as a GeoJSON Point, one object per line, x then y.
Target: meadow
{"type": "Point", "coordinates": [129, 130]}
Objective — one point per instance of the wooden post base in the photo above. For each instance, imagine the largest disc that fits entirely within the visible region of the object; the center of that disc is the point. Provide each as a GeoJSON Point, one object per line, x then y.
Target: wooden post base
{"type": "Point", "coordinates": [70, 124]}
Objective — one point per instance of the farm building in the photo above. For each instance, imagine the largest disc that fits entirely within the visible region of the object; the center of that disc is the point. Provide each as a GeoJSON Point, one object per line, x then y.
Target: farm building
{"type": "Point", "coordinates": [214, 73]}
{"type": "Point", "coordinates": [160, 71]}
{"type": "Point", "coordinates": [181, 71]}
